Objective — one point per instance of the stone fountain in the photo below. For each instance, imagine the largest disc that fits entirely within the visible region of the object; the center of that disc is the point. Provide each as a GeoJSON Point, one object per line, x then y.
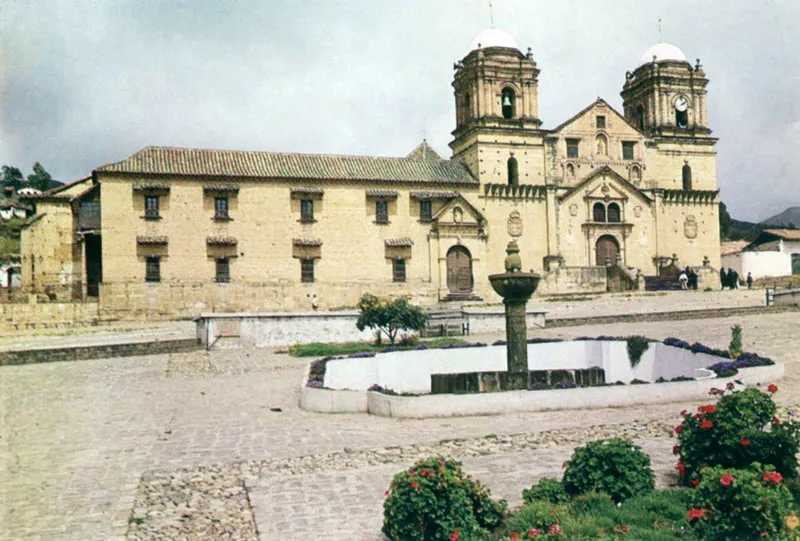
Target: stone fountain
{"type": "Point", "coordinates": [516, 287]}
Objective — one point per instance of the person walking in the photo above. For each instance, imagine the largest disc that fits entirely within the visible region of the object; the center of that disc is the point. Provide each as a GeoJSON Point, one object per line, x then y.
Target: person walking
{"type": "Point", "coordinates": [749, 280]}
{"type": "Point", "coordinates": [683, 279]}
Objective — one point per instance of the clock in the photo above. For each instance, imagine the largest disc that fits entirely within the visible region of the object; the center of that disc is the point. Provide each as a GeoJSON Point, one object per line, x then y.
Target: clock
{"type": "Point", "coordinates": [681, 104]}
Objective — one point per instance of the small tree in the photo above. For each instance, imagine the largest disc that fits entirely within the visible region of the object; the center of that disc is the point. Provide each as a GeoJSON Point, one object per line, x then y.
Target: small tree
{"type": "Point", "coordinates": [389, 316]}
{"type": "Point", "coordinates": [40, 178]}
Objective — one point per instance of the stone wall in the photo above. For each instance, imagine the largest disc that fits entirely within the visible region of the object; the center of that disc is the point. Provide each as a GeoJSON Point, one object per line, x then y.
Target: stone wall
{"type": "Point", "coordinates": [573, 280]}
{"type": "Point", "coordinates": [18, 316]}
{"type": "Point", "coordinates": [31, 356]}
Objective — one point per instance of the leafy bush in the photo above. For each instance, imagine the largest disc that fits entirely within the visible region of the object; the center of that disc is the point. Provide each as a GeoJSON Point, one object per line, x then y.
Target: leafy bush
{"type": "Point", "coordinates": [538, 516]}
{"type": "Point", "coordinates": [548, 490]}
{"type": "Point", "coordinates": [615, 466]}
{"type": "Point", "coordinates": [735, 347]}
{"type": "Point", "coordinates": [740, 504]}
{"type": "Point", "coordinates": [434, 498]}
{"type": "Point", "coordinates": [637, 345]}
{"type": "Point", "coordinates": [389, 316]}
{"type": "Point", "coordinates": [740, 429]}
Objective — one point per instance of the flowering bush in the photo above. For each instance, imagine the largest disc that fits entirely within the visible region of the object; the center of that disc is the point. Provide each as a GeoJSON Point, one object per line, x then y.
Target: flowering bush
{"type": "Point", "coordinates": [539, 517]}
{"type": "Point", "coordinates": [740, 429]}
{"type": "Point", "coordinates": [740, 504]}
{"type": "Point", "coordinates": [615, 466]}
{"type": "Point", "coordinates": [548, 490]}
{"type": "Point", "coordinates": [435, 500]}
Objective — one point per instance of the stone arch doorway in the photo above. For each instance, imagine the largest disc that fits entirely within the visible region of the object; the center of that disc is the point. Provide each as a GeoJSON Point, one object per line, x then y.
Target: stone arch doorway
{"type": "Point", "coordinates": [606, 249]}
{"type": "Point", "coordinates": [459, 270]}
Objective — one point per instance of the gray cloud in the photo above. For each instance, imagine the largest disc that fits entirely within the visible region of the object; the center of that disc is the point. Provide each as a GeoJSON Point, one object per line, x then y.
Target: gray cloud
{"type": "Point", "coordinates": [86, 83]}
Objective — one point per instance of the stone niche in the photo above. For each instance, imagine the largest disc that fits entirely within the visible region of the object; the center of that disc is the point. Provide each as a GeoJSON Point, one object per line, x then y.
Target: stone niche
{"type": "Point", "coordinates": [489, 382]}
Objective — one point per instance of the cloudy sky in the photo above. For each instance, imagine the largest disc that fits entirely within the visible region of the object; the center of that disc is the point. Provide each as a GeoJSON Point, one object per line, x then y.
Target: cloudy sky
{"type": "Point", "coordinates": [86, 83]}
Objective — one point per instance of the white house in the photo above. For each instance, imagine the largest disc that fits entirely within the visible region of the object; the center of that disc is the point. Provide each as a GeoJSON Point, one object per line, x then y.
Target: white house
{"type": "Point", "coordinates": [775, 252]}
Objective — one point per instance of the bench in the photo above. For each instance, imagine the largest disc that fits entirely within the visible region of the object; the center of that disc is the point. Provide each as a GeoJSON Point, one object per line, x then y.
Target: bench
{"type": "Point", "coordinates": [446, 322]}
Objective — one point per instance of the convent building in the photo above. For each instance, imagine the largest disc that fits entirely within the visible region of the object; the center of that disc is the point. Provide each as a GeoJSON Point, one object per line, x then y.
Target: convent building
{"type": "Point", "coordinates": [595, 203]}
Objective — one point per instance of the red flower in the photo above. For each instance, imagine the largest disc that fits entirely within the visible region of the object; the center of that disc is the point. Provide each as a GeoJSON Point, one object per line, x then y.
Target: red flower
{"type": "Point", "coordinates": [776, 421]}
{"type": "Point", "coordinates": [534, 533]}
{"type": "Point", "coordinates": [386, 493]}
{"type": "Point", "coordinates": [727, 479]}
{"type": "Point", "coordinates": [773, 476]}
{"type": "Point", "coordinates": [678, 429]}
{"type": "Point", "coordinates": [455, 535]}
{"type": "Point", "coordinates": [414, 484]}
{"type": "Point", "coordinates": [555, 529]}
{"type": "Point", "coordinates": [683, 413]}
{"type": "Point", "coordinates": [441, 463]}
{"type": "Point", "coordinates": [563, 465]}
{"type": "Point", "coordinates": [729, 386]}
{"type": "Point", "coordinates": [772, 388]}
{"type": "Point", "coordinates": [695, 481]}
{"type": "Point", "coordinates": [698, 415]}
{"type": "Point", "coordinates": [624, 528]}
{"type": "Point", "coordinates": [696, 513]}
{"type": "Point", "coordinates": [514, 537]}
{"type": "Point", "coordinates": [705, 425]}
{"type": "Point", "coordinates": [681, 469]}
{"type": "Point", "coordinates": [745, 442]}
{"type": "Point", "coordinates": [676, 449]}
{"type": "Point", "coordinates": [709, 408]}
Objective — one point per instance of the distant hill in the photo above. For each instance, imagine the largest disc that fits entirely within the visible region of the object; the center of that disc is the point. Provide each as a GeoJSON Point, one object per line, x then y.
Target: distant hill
{"type": "Point", "coordinates": [788, 218]}
{"type": "Point", "coordinates": [745, 230]}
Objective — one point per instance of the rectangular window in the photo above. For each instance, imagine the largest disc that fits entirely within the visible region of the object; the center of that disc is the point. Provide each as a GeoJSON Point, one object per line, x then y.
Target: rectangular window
{"type": "Point", "coordinates": [153, 269]}
{"type": "Point", "coordinates": [151, 206]}
{"type": "Point", "coordinates": [382, 212]}
{"type": "Point", "coordinates": [572, 148]}
{"type": "Point", "coordinates": [307, 270]}
{"type": "Point", "coordinates": [425, 211]}
{"type": "Point", "coordinates": [627, 150]}
{"type": "Point", "coordinates": [221, 207]}
{"type": "Point", "coordinates": [223, 270]}
{"type": "Point", "coordinates": [307, 210]}
{"type": "Point", "coordinates": [601, 122]}
{"type": "Point", "coordinates": [399, 270]}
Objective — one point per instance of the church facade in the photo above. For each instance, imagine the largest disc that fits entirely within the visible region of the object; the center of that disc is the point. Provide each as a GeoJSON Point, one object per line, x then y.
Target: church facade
{"type": "Point", "coordinates": [171, 232]}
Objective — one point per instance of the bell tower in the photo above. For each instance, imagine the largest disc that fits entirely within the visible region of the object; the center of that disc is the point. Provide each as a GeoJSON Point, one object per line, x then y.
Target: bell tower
{"type": "Point", "coordinates": [665, 96]}
{"type": "Point", "coordinates": [497, 109]}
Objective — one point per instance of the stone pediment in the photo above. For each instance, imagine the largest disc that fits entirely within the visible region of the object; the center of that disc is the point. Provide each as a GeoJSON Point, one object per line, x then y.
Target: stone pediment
{"type": "Point", "coordinates": [605, 183]}
{"type": "Point", "coordinates": [459, 212]}
{"type": "Point", "coordinates": [583, 122]}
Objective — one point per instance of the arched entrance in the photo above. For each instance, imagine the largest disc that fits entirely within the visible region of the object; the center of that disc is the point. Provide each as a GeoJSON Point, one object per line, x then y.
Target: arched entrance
{"type": "Point", "coordinates": [459, 270]}
{"type": "Point", "coordinates": [606, 249]}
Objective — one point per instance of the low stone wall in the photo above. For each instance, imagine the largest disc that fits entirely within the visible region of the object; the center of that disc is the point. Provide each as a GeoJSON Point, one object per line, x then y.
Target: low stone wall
{"type": "Point", "coordinates": [787, 298]}
{"type": "Point", "coordinates": [494, 320]}
{"type": "Point", "coordinates": [490, 382]}
{"type": "Point", "coordinates": [32, 315]}
{"type": "Point", "coordinates": [133, 349]}
{"type": "Point", "coordinates": [573, 280]}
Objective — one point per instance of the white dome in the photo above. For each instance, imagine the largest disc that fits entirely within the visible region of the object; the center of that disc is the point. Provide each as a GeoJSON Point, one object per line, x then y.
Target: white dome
{"type": "Point", "coordinates": [662, 51]}
{"type": "Point", "coordinates": [493, 37]}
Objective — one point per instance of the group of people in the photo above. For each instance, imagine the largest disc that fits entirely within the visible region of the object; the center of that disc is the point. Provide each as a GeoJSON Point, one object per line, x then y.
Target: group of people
{"type": "Point", "coordinates": [688, 278]}
{"type": "Point", "coordinates": [730, 279]}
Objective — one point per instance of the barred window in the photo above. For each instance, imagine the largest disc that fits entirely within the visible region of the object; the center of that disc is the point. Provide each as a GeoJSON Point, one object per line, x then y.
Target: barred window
{"type": "Point", "coordinates": [399, 270]}
{"type": "Point", "coordinates": [221, 207]}
{"type": "Point", "coordinates": [153, 269]}
{"type": "Point", "coordinates": [425, 211]}
{"type": "Point", "coordinates": [572, 148]}
{"type": "Point", "coordinates": [223, 270]}
{"type": "Point", "coordinates": [382, 212]}
{"type": "Point", "coordinates": [307, 210]}
{"type": "Point", "coordinates": [307, 270]}
{"type": "Point", "coordinates": [151, 206]}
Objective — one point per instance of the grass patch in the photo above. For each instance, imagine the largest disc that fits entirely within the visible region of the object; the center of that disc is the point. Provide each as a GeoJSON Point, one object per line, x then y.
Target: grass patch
{"type": "Point", "coordinates": [320, 349]}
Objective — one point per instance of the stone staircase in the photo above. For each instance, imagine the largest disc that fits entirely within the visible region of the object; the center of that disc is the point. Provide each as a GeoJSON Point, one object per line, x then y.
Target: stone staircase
{"type": "Point", "coordinates": [661, 283]}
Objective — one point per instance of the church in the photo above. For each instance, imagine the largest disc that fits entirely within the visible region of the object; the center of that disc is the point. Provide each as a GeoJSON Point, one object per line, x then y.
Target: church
{"type": "Point", "coordinates": [600, 202]}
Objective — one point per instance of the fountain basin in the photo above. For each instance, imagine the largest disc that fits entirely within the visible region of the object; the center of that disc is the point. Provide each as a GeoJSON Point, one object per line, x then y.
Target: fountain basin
{"type": "Point", "coordinates": [515, 285]}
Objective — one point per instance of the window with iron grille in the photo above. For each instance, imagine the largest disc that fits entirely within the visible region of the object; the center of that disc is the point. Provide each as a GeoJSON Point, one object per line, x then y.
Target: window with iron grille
{"type": "Point", "coordinates": [221, 207]}
{"type": "Point", "coordinates": [307, 210]}
{"type": "Point", "coordinates": [601, 122]}
{"type": "Point", "coordinates": [151, 206]}
{"type": "Point", "coordinates": [223, 270]}
{"type": "Point", "coordinates": [382, 212]}
{"type": "Point", "coordinates": [307, 270]}
{"type": "Point", "coordinates": [425, 211]}
{"type": "Point", "coordinates": [572, 148]}
{"type": "Point", "coordinates": [399, 270]}
{"type": "Point", "coordinates": [153, 269]}
{"type": "Point", "coordinates": [627, 150]}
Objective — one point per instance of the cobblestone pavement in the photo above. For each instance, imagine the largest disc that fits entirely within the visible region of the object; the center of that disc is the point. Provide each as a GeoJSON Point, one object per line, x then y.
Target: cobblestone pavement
{"type": "Point", "coordinates": [75, 438]}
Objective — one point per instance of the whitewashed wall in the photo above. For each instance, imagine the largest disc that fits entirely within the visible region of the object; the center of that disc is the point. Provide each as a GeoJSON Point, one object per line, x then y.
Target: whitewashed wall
{"type": "Point", "coordinates": [760, 264]}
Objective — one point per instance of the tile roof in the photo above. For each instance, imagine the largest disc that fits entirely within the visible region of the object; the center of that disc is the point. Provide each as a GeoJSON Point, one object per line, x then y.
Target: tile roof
{"type": "Point", "coordinates": [204, 162]}
{"type": "Point", "coordinates": [152, 239]}
{"type": "Point", "coordinates": [306, 241]}
{"type": "Point", "coordinates": [423, 152]}
{"type": "Point", "coordinates": [150, 187]}
{"type": "Point", "coordinates": [308, 189]}
{"type": "Point", "coordinates": [377, 192]}
{"type": "Point", "coordinates": [221, 241]}
{"type": "Point", "coordinates": [732, 247]}
{"type": "Point", "coordinates": [424, 194]}
{"type": "Point", "coordinates": [399, 242]}
{"type": "Point", "coordinates": [785, 234]}
{"type": "Point", "coordinates": [220, 188]}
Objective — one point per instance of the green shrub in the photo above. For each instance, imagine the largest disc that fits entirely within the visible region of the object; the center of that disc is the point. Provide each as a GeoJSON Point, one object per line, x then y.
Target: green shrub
{"type": "Point", "coordinates": [740, 429]}
{"type": "Point", "coordinates": [434, 498]}
{"type": "Point", "coordinates": [592, 503]}
{"type": "Point", "coordinates": [548, 490]}
{"type": "Point", "coordinates": [740, 504]}
{"type": "Point", "coordinates": [389, 316]}
{"type": "Point", "coordinates": [735, 346]}
{"type": "Point", "coordinates": [637, 345]}
{"type": "Point", "coordinates": [538, 515]}
{"type": "Point", "coordinates": [615, 466]}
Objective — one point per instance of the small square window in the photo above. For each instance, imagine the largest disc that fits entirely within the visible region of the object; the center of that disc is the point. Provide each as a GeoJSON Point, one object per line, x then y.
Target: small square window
{"type": "Point", "coordinates": [223, 270]}
{"type": "Point", "coordinates": [425, 211]}
{"type": "Point", "coordinates": [382, 212]}
{"type": "Point", "coordinates": [601, 122]}
{"type": "Point", "coordinates": [572, 148]}
{"type": "Point", "coordinates": [151, 206]}
{"type": "Point", "coordinates": [628, 150]}
{"type": "Point", "coordinates": [399, 270]}
{"type": "Point", "coordinates": [307, 270]}
{"type": "Point", "coordinates": [307, 210]}
{"type": "Point", "coordinates": [221, 207]}
{"type": "Point", "coordinates": [153, 269]}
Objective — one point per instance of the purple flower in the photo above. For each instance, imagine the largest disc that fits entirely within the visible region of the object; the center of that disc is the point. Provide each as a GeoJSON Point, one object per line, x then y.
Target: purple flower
{"type": "Point", "coordinates": [361, 355]}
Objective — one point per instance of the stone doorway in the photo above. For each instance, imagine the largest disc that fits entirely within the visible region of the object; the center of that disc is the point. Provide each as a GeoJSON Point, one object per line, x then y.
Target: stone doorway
{"type": "Point", "coordinates": [606, 249]}
{"type": "Point", "coordinates": [459, 271]}
{"type": "Point", "coordinates": [94, 264]}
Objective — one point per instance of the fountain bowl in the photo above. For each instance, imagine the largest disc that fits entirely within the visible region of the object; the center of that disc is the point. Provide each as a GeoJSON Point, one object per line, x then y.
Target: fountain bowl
{"type": "Point", "coordinates": [517, 286]}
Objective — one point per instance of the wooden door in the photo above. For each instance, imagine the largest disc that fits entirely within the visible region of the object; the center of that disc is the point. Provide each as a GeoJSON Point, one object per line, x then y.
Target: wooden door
{"type": "Point", "coordinates": [459, 270]}
{"type": "Point", "coordinates": [606, 249]}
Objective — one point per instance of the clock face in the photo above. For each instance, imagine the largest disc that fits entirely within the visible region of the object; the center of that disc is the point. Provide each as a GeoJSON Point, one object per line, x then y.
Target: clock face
{"type": "Point", "coordinates": [681, 104]}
